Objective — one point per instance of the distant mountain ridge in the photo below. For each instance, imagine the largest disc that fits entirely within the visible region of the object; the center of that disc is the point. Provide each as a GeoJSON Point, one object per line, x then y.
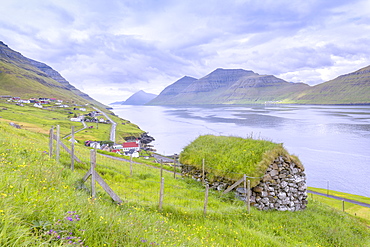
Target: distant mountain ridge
{"type": "Point", "coordinates": [351, 88]}
{"type": "Point", "coordinates": [138, 98]}
{"type": "Point", "coordinates": [238, 86]}
{"type": "Point", "coordinates": [24, 77]}
{"type": "Point", "coordinates": [228, 86]}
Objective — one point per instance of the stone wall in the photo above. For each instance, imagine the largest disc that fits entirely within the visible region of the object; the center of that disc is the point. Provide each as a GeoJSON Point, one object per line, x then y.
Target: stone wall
{"type": "Point", "coordinates": [283, 187]}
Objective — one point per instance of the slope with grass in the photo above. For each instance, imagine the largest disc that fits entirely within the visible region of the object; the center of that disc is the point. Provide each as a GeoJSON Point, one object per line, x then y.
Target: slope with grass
{"type": "Point", "coordinates": [44, 203]}
{"type": "Point", "coordinates": [40, 120]}
{"type": "Point", "coordinates": [27, 78]}
{"type": "Point", "coordinates": [352, 88]}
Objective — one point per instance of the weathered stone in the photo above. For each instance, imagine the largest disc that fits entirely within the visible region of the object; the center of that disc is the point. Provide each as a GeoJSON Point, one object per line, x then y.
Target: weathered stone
{"type": "Point", "coordinates": [273, 173]}
{"type": "Point", "coordinates": [283, 184]}
{"type": "Point", "coordinates": [264, 194]}
{"type": "Point", "coordinates": [257, 189]}
{"type": "Point", "coordinates": [282, 195]}
{"type": "Point", "coordinates": [266, 178]}
{"type": "Point", "coordinates": [274, 166]}
{"type": "Point", "coordinates": [265, 200]}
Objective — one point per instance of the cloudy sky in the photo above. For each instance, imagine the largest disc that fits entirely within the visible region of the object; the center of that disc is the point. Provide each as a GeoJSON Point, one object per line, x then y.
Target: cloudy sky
{"type": "Point", "coordinates": [112, 48]}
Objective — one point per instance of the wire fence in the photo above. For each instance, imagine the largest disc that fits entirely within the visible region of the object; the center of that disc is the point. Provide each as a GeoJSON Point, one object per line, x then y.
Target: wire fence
{"type": "Point", "coordinates": [147, 186]}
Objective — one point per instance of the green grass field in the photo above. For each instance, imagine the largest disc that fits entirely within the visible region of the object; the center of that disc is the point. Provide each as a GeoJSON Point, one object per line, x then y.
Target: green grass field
{"type": "Point", "coordinates": [44, 203]}
{"type": "Point", "coordinates": [358, 211]}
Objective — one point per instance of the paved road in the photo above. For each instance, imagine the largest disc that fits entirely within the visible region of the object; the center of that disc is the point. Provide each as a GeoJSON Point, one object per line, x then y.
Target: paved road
{"type": "Point", "coordinates": [85, 126]}
{"type": "Point", "coordinates": [340, 198]}
{"type": "Point", "coordinates": [112, 136]}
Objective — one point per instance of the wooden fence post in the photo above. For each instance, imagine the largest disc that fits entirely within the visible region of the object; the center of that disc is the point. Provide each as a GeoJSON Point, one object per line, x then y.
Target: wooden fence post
{"type": "Point", "coordinates": [174, 166]}
{"type": "Point", "coordinates": [343, 205]}
{"type": "Point", "coordinates": [161, 168]}
{"type": "Point", "coordinates": [249, 196]}
{"type": "Point", "coordinates": [57, 151]}
{"type": "Point", "coordinates": [203, 180]}
{"type": "Point", "coordinates": [161, 193]}
{"type": "Point", "coordinates": [245, 187]}
{"type": "Point", "coordinates": [51, 134]}
{"type": "Point", "coordinates": [92, 168]}
{"type": "Point", "coordinates": [73, 149]}
{"type": "Point", "coordinates": [206, 200]}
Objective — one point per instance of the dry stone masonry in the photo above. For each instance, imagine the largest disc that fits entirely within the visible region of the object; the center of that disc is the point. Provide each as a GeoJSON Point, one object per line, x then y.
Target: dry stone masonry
{"type": "Point", "coordinates": [283, 186]}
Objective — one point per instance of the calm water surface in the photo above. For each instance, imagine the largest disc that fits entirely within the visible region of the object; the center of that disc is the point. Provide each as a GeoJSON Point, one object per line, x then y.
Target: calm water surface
{"type": "Point", "coordinates": [333, 142]}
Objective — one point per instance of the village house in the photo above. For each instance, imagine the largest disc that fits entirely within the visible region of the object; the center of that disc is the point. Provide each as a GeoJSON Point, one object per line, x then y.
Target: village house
{"type": "Point", "coordinates": [131, 148]}
{"type": "Point", "coordinates": [77, 119]}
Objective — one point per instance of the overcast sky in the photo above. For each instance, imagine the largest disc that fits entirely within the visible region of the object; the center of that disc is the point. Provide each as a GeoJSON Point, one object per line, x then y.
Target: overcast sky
{"type": "Point", "coordinates": [111, 49]}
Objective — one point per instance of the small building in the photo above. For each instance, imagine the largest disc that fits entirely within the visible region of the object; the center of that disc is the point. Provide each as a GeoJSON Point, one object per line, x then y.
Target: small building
{"type": "Point", "coordinates": [95, 145]}
{"type": "Point", "coordinates": [117, 146]}
{"type": "Point", "coordinates": [126, 146]}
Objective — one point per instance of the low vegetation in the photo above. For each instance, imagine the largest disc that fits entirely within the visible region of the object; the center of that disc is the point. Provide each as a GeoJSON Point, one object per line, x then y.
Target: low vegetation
{"type": "Point", "coordinates": [356, 210]}
{"type": "Point", "coordinates": [40, 120]}
{"type": "Point", "coordinates": [45, 203]}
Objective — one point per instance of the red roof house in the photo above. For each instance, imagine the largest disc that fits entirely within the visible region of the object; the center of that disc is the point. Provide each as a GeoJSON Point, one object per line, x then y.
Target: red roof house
{"type": "Point", "coordinates": [130, 145]}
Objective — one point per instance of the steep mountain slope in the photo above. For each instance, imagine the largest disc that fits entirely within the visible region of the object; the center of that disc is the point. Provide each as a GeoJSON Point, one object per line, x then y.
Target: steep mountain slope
{"type": "Point", "coordinates": [229, 86]}
{"type": "Point", "coordinates": [24, 77]}
{"type": "Point", "coordinates": [352, 88]}
{"type": "Point", "coordinates": [139, 98]}
{"type": "Point", "coordinates": [172, 91]}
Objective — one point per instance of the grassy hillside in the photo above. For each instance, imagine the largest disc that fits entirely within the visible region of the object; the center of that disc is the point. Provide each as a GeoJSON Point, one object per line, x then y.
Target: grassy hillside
{"type": "Point", "coordinates": [350, 208]}
{"type": "Point", "coordinates": [18, 82]}
{"type": "Point", "coordinates": [40, 120]}
{"type": "Point", "coordinates": [45, 203]}
{"type": "Point", "coordinates": [352, 88]}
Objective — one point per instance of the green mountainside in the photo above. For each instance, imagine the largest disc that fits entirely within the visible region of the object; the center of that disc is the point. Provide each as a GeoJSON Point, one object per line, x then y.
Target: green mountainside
{"type": "Point", "coordinates": [228, 86]}
{"type": "Point", "coordinates": [169, 93]}
{"type": "Point", "coordinates": [27, 78]}
{"type": "Point", "coordinates": [352, 88]}
{"type": "Point", "coordinates": [238, 86]}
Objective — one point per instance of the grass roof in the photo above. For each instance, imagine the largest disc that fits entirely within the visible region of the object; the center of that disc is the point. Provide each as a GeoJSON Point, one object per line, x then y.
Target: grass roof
{"type": "Point", "coordinates": [230, 157]}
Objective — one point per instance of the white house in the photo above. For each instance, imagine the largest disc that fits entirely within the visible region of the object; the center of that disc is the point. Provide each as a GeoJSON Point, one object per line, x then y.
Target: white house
{"type": "Point", "coordinates": [95, 145]}
{"type": "Point", "coordinates": [75, 119]}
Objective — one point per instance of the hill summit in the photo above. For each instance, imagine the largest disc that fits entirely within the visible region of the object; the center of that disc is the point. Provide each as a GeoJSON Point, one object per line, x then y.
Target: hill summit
{"type": "Point", "coordinates": [352, 88]}
{"type": "Point", "coordinates": [228, 86]}
{"type": "Point", "coordinates": [23, 77]}
{"type": "Point", "coordinates": [139, 98]}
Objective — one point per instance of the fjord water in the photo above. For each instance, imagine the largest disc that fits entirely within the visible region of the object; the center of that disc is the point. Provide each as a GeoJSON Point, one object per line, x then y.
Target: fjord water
{"type": "Point", "coordinates": [333, 142]}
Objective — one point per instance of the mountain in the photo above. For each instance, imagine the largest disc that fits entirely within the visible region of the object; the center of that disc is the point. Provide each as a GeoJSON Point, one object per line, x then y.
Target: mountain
{"type": "Point", "coordinates": [138, 98]}
{"type": "Point", "coordinates": [26, 78]}
{"type": "Point", "coordinates": [172, 90]}
{"type": "Point", "coordinates": [228, 86]}
{"type": "Point", "coordinates": [352, 88]}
